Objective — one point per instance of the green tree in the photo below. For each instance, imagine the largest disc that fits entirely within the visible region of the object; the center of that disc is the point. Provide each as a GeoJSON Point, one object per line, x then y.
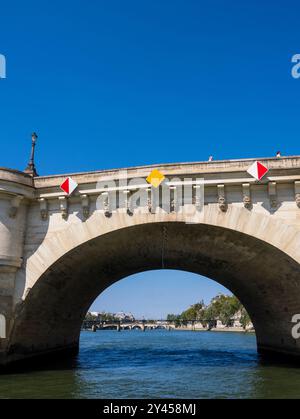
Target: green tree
{"type": "Point", "coordinates": [224, 308]}
{"type": "Point", "coordinates": [89, 317]}
{"type": "Point", "coordinates": [245, 318]}
{"type": "Point", "coordinates": [194, 312]}
{"type": "Point", "coordinates": [175, 318]}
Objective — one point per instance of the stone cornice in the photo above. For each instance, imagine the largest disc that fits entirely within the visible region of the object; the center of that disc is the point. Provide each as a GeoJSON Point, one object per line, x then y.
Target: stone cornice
{"type": "Point", "coordinates": [227, 172]}
{"type": "Point", "coordinates": [217, 166]}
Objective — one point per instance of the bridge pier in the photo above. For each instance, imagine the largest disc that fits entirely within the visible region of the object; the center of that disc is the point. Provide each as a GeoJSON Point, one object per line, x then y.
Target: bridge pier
{"type": "Point", "coordinates": [15, 189]}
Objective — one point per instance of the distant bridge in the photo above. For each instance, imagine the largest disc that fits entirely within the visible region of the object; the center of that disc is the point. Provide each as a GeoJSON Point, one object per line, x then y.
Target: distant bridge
{"type": "Point", "coordinates": [154, 325]}
{"type": "Point", "coordinates": [127, 325]}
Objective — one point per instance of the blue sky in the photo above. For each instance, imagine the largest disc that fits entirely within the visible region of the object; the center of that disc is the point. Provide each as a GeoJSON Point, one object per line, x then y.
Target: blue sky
{"type": "Point", "coordinates": [154, 294]}
{"type": "Point", "coordinates": [114, 84]}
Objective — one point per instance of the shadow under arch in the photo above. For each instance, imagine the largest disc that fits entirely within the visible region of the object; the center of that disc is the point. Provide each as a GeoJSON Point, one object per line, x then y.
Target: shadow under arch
{"type": "Point", "coordinates": [264, 278]}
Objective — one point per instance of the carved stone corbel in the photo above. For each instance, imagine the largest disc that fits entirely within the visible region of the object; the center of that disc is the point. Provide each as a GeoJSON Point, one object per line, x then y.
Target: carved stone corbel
{"type": "Point", "coordinates": [297, 193]}
{"type": "Point", "coordinates": [63, 206]}
{"type": "Point", "coordinates": [273, 194]}
{"type": "Point", "coordinates": [247, 196]}
{"type": "Point", "coordinates": [106, 204]}
{"type": "Point", "coordinates": [85, 204]}
{"type": "Point", "coordinates": [43, 208]}
{"type": "Point", "coordinates": [149, 199]}
{"type": "Point", "coordinates": [196, 197]}
{"type": "Point", "coordinates": [127, 202]}
{"type": "Point", "coordinates": [14, 206]}
{"type": "Point", "coordinates": [173, 198]}
{"type": "Point", "coordinates": [222, 198]}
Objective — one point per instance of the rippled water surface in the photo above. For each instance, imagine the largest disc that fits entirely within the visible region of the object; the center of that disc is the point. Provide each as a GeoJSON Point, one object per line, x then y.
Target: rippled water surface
{"type": "Point", "coordinates": [156, 364]}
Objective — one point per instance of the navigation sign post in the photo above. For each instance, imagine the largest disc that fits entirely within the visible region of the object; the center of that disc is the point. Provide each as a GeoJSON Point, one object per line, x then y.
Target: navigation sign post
{"type": "Point", "coordinates": [257, 170]}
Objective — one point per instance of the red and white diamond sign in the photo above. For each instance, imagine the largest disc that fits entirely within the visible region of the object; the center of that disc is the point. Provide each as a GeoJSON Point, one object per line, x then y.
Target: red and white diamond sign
{"type": "Point", "coordinates": [69, 186]}
{"type": "Point", "coordinates": [257, 170]}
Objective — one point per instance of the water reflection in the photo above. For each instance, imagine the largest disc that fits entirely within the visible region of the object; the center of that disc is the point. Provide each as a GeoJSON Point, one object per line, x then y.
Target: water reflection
{"type": "Point", "coordinates": [158, 364]}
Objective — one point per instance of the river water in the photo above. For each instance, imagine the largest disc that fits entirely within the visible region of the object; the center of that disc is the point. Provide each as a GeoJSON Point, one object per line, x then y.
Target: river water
{"type": "Point", "coordinates": [159, 364]}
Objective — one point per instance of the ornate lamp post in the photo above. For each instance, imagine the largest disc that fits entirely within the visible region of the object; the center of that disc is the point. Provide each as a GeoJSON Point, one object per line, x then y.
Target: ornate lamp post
{"type": "Point", "coordinates": [30, 169]}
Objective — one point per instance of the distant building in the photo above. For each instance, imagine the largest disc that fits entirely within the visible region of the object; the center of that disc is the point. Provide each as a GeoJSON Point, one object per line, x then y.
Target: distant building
{"type": "Point", "coordinates": [95, 313]}
{"type": "Point", "coordinates": [124, 316]}
{"type": "Point", "coordinates": [235, 321]}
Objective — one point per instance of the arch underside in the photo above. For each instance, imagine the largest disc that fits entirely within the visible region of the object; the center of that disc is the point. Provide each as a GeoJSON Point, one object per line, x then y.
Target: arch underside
{"type": "Point", "coordinates": [265, 279]}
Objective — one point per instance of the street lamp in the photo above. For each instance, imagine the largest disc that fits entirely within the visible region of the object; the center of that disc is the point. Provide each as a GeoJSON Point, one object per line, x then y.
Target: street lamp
{"type": "Point", "coordinates": [30, 169]}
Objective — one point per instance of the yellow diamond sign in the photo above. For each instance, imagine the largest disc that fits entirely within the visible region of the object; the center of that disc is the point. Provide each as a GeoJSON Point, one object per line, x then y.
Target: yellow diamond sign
{"type": "Point", "coordinates": [155, 178]}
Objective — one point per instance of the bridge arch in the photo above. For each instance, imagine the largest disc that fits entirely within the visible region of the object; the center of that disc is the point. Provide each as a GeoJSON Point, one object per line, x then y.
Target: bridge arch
{"type": "Point", "coordinates": [254, 256]}
{"type": "Point", "coordinates": [273, 231]}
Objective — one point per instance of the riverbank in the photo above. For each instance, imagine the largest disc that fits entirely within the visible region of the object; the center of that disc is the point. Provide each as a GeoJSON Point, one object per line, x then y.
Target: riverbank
{"type": "Point", "coordinates": [187, 329]}
{"type": "Point", "coordinates": [215, 329]}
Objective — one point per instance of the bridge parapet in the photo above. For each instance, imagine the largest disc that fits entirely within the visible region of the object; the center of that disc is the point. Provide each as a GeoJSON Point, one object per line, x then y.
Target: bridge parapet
{"type": "Point", "coordinates": [225, 182]}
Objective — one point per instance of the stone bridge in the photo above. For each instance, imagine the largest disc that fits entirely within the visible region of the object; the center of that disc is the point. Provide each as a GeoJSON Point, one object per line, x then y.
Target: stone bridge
{"type": "Point", "coordinates": [118, 325]}
{"type": "Point", "coordinates": [59, 252]}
